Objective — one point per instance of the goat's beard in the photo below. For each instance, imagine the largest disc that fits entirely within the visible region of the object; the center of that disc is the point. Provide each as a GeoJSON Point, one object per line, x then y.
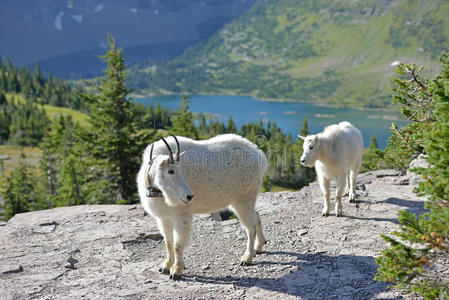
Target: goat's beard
{"type": "Point", "coordinates": [170, 200]}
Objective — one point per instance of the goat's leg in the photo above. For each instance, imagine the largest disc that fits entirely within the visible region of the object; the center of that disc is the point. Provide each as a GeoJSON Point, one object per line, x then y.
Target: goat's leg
{"type": "Point", "coordinates": [352, 179]}
{"type": "Point", "coordinates": [341, 181]}
{"type": "Point", "coordinates": [246, 213]}
{"type": "Point", "coordinates": [182, 227]}
{"type": "Point", "coordinates": [166, 228]}
{"type": "Point", "coordinates": [348, 184]}
{"type": "Point", "coordinates": [260, 239]}
{"type": "Point", "coordinates": [325, 188]}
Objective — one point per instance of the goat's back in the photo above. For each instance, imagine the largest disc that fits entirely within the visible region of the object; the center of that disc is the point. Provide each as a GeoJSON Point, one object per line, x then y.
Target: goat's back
{"type": "Point", "coordinates": [344, 142]}
{"type": "Point", "coordinates": [218, 170]}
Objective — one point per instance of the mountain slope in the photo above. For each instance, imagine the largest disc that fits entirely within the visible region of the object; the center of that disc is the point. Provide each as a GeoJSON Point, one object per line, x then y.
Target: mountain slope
{"type": "Point", "coordinates": [333, 52]}
{"type": "Point", "coordinates": [66, 36]}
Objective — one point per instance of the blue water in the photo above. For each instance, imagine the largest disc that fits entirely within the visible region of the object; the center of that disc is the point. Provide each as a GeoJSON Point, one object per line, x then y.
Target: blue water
{"type": "Point", "coordinates": [288, 116]}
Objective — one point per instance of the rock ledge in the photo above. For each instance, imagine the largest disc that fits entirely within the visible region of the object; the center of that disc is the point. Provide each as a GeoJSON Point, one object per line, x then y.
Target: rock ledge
{"type": "Point", "coordinates": [109, 251]}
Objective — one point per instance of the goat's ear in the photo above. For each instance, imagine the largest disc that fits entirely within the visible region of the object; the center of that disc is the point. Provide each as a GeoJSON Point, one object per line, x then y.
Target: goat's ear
{"type": "Point", "coordinates": [301, 137]}
{"type": "Point", "coordinates": [164, 163]}
{"type": "Point", "coordinates": [315, 139]}
{"type": "Point", "coordinates": [183, 155]}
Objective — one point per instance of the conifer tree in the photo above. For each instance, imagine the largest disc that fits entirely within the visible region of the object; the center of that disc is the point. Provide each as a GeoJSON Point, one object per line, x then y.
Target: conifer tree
{"type": "Point", "coordinates": [3, 81]}
{"type": "Point", "coordinates": [2, 99]}
{"type": "Point", "coordinates": [38, 79]}
{"type": "Point", "coordinates": [309, 174]}
{"type": "Point", "coordinates": [27, 125]}
{"type": "Point", "coordinates": [183, 122]}
{"type": "Point", "coordinates": [304, 131]}
{"type": "Point", "coordinates": [112, 143]}
{"type": "Point", "coordinates": [70, 182]}
{"type": "Point", "coordinates": [202, 125]}
{"type": "Point", "coordinates": [71, 170]}
{"type": "Point", "coordinates": [373, 158]}
{"type": "Point", "coordinates": [18, 196]}
{"type": "Point", "coordinates": [231, 128]}
{"type": "Point", "coordinates": [4, 124]}
{"type": "Point", "coordinates": [13, 83]}
{"type": "Point", "coordinates": [423, 241]}
{"type": "Point", "coordinates": [61, 165]}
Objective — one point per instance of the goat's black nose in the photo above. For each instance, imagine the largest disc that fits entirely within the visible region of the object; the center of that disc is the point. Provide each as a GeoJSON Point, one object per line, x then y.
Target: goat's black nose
{"type": "Point", "coordinates": [189, 197]}
{"type": "Point", "coordinates": [303, 161]}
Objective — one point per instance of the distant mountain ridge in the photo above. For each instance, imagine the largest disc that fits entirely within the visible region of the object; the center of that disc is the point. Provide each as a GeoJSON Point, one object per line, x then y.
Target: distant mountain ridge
{"type": "Point", "coordinates": [332, 52]}
{"type": "Point", "coordinates": [67, 35]}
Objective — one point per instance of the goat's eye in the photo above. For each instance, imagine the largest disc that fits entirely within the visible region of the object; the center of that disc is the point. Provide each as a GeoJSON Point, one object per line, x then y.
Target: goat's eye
{"type": "Point", "coordinates": [310, 147]}
{"type": "Point", "coordinates": [171, 172]}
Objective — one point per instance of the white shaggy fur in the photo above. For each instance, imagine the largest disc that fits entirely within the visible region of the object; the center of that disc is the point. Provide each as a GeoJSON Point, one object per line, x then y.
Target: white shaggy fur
{"type": "Point", "coordinates": [336, 153]}
{"type": "Point", "coordinates": [224, 171]}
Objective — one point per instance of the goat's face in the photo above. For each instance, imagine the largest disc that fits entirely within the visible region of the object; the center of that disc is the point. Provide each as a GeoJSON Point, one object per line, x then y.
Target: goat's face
{"type": "Point", "coordinates": [311, 149]}
{"type": "Point", "coordinates": [168, 178]}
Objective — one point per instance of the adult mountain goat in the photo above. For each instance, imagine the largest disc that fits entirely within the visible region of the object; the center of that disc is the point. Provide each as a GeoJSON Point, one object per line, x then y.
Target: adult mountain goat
{"type": "Point", "coordinates": [336, 153]}
{"type": "Point", "coordinates": [208, 176]}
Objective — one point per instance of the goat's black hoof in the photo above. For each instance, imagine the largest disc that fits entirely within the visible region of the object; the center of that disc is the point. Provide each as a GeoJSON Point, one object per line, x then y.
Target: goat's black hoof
{"type": "Point", "coordinates": [164, 271]}
{"type": "Point", "coordinates": [325, 214]}
{"type": "Point", "coordinates": [175, 277]}
{"type": "Point", "coordinates": [259, 252]}
{"type": "Point", "coordinates": [245, 264]}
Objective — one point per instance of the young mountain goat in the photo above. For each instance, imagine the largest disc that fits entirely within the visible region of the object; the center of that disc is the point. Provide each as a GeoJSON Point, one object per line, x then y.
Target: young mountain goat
{"type": "Point", "coordinates": [210, 175]}
{"type": "Point", "coordinates": [336, 153]}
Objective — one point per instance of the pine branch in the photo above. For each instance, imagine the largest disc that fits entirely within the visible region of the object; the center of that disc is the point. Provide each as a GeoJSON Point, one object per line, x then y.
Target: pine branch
{"type": "Point", "coordinates": [411, 71]}
{"type": "Point", "coordinates": [406, 140]}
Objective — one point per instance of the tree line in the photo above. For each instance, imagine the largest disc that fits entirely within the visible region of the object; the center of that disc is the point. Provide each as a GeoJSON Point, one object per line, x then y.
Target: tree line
{"type": "Point", "coordinates": [37, 87]}
{"type": "Point", "coordinates": [23, 121]}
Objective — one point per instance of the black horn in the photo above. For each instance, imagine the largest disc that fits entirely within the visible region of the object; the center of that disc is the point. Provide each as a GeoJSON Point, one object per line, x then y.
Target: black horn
{"type": "Point", "coordinates": [170, 152]}
{"type": "Point", "coordinates": [178, 149]}
{"type": "Point", "coordinates": [151, 153]}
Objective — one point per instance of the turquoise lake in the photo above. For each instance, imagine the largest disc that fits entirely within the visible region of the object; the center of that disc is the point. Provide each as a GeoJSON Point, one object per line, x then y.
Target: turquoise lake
{"type": "Point", "coordinates": [287, 115]}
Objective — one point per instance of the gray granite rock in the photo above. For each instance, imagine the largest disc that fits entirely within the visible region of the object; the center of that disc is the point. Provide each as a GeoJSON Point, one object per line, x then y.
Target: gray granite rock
{"type": "Point", "coordinates": [419, 162]}
{"type": "Point", "coordinates": [111, 252]}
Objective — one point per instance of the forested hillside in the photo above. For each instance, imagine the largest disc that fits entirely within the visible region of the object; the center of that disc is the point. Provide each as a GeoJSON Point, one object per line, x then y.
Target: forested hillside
{"type": "Point", "coordinates": [333, 52]}
{"type": "Point", "coordinates": [94, 159]}
{"type": "Point", "coordinates": [29, 99]}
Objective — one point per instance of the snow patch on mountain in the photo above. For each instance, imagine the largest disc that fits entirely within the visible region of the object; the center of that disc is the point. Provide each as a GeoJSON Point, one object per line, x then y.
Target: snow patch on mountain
{"type": "Point", "coordinates": [58, 21]}
{"type": "Point", "coordinates": [395, 63]}
{"type": "Point", "coordinates": [98, 8]}
{"type": "Point", "coordinates": [77, 18]}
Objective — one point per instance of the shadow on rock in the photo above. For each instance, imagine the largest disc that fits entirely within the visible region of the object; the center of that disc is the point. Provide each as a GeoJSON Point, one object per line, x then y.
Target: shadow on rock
{"type": "Point", "coordinates": [395, 221]}
{"type": "Point", "coordinates": [416, 207]}
{"type": "Point", "coordinates": [318, 276]}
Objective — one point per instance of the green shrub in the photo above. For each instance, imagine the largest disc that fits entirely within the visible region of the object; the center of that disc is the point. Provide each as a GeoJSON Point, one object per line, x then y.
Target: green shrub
{"type": "Point", "coordinates": [422, 241]}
